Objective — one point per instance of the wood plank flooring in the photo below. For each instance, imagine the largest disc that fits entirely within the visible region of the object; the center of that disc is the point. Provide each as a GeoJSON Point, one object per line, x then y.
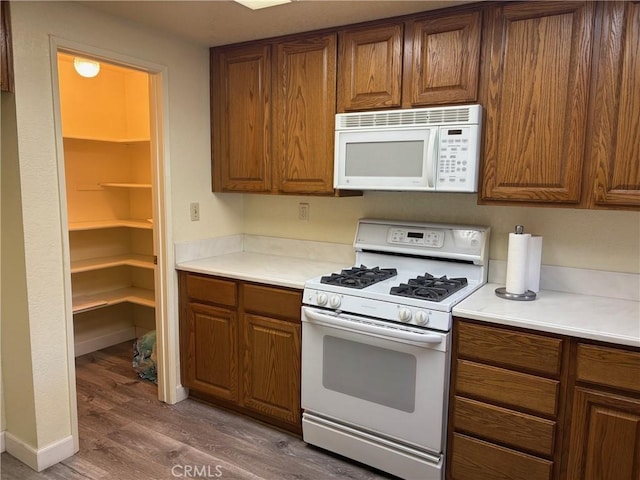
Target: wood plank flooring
{"type": "Point", "coordinates": [126, 433]}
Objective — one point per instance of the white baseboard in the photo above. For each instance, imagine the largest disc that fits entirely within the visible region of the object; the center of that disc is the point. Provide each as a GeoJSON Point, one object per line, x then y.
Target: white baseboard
{"type": "Point", "coordinates": [181, 393]}
{"type": "Point", "coordinates": [39, 459]}
{"type": "Point", "coordinates": [1, 441]}
{"type": "Point", "coordinates": [98, 343]}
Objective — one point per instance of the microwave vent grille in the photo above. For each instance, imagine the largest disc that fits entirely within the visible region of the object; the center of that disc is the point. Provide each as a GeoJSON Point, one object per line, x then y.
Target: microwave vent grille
{"type": "Point", "coordinates": [409, 117]}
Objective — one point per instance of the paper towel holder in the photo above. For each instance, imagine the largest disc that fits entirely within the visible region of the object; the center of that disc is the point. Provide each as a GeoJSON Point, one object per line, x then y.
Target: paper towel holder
{"type": "Point", "coordinates": [528, 295]}
{"type": "Point", "coordinates": [502, 291]}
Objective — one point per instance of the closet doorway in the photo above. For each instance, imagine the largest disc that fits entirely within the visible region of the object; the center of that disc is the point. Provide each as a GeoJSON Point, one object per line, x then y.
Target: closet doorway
{"type": "Point", "coordinates": [110, 145]}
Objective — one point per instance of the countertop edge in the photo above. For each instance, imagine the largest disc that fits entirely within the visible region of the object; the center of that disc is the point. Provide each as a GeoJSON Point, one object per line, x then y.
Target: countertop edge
{"type": "Point", "coordinates": [582, 319]}
{"type": "Point", "coordinates": [277, 282]}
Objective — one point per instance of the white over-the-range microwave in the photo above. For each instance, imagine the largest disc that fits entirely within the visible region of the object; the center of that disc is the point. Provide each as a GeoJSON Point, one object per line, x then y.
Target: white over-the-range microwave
{"type": "Point", "coordinates": [422, 149]}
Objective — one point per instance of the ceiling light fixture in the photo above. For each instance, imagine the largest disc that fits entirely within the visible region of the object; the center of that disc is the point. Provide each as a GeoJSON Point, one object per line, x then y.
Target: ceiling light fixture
{"type": "Point", "coordinates": [257, 4]}
{"type": "Point", "coordinates": [86, 68]}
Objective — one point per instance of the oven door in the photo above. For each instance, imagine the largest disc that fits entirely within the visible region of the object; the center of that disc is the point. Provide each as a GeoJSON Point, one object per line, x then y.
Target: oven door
{"type": "Point", "coordinates": [372, 376]}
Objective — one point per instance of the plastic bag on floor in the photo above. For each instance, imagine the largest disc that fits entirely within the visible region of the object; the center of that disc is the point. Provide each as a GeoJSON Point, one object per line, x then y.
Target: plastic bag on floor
{"type": "Point", "coordinates": [144, 356]}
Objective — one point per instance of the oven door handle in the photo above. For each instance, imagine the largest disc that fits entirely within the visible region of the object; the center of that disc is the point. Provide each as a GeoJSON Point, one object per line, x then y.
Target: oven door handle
{"type": "Point", "coordinates": [357, 326]}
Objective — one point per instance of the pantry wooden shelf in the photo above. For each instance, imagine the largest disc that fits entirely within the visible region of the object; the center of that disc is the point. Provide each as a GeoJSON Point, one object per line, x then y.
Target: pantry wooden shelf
{"type": "Point", "coordinates": [110, 140]}
{"type": "Point", "coordinates": [139, 296]}
{"type": "Point", "coordinates": [98, 224]}
{"type": "Point", "coordinates": [126, 185]}
{"type": "Point", "coordinates": [132, 260]}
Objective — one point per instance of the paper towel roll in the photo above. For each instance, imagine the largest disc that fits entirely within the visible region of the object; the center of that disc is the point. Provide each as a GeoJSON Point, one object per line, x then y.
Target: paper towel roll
{"type": "Point", "coordinates": [517, 260]}
{"type": "Point", "coordinates": [533, 263]}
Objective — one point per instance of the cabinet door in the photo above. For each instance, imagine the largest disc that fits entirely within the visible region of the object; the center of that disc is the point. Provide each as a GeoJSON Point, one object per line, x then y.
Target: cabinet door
{"type": "Point", "coordinates": [536, 97]}
{"type": "Point", "coordinates": [370, 68]}
{"type": "Point", "coordinates": [442, 64]}
{"type": "Point", "coordinates": [615, 141]}
{"type": "Point", "coordinates": [6, 56]}
{"type": "Point", "coordinates": [271, 376]}
{"type": "Point", "coordinates": [304, 111]}
{"type": "Point", "coordinates": [240, 118]}
{"type": "Point", "coordinates": [211, 351]}
{"type": "Point", "coordinates": [605, 444]}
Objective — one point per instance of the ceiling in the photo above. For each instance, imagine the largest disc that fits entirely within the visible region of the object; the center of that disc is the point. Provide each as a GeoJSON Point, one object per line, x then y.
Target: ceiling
{"type": "Point", "coordinates": [220, 22]}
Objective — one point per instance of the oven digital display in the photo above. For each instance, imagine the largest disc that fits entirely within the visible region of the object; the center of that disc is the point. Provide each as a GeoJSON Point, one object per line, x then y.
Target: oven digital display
{"type": "Point", "coordinates": [415, 234]}
{"type": "Point", "coordinates": [454, 132]}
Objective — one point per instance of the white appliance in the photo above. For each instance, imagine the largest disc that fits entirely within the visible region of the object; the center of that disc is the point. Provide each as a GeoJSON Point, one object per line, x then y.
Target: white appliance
{"type": "Point", "coordinates": [421, 149]}
{"type": "Point", "coordinates": [376, 344]}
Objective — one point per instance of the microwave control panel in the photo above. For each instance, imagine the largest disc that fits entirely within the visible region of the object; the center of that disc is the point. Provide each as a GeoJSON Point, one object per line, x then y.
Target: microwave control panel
{"type": "Point", "coordinates": [457, 158]}
{"type": "Point", "coordinates": [418, 237]}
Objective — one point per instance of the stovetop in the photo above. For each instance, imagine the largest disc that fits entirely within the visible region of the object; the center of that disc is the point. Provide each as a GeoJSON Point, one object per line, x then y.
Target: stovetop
{"type": "Point", "coordinates": [406, 272]}
{"type": "Point", "coordinates": [359, 277]}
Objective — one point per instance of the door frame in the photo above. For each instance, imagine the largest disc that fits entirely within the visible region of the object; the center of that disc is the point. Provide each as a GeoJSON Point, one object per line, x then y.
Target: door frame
{"type": "Point", "coordinates": [169, 388]}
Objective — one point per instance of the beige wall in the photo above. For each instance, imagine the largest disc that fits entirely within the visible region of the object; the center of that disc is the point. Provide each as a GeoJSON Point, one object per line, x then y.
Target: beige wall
{"type": "Point", "coordinates": [187, 159]}
{"type": "Point", "coordinates": [599, 240]}
{"type": "Point", "coordinates": [18, 406]}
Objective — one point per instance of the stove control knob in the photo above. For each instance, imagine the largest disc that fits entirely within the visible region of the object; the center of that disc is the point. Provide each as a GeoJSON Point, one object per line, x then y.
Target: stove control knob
{"type": "Point", "coordinates": [321, 299]}
{"type": "Point", "coordinates": [404, 314]}
{"type": "Point", "coordinates": [421, 317]}
{"type": "Point", "coordinates": [335, 301]}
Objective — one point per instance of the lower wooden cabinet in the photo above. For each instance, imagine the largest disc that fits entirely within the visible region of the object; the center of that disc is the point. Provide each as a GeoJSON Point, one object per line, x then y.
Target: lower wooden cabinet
{"type": "Point", "coordinates": [527, 405]}
{"type": "Point", "coordinates": [506, 389]}
{"type": "Point", "coordinates": [240, 347]}
{"type": "Point", "coordinates": [605, 422]}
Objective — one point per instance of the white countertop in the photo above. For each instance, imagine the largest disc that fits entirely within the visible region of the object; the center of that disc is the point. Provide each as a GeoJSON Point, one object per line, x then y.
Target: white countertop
{"type": "Point", "coordinates": [276, 270]}
{"type": "Point", "coordinates": [584, 316]}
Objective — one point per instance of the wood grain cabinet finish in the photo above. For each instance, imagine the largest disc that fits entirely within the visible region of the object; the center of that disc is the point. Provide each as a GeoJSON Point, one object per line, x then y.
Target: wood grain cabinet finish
{"type": "Point", "coordinates": [271, 352]}
{"type": "Point", "coordinates": [615, 179]}
{"type": "Point", "coordinates": [240, 347]}
{"type": "Point", "coordinates": [574, 414]}
{"type": "Point", "coordinates": [304, 114]}
{"type": "Point", "coordinates": [536, 96]}
{"type": "Point", "coordinates": [430, 60]}
{"type": "Point", "coordinates": [506, 392]}
{"type": "Point", "coordinates": [211, 355]}
{"type": "Point", "coordinates": [605, 438]}
{"type": "Point", "coordinates": [475, 459]}
{"type": "Point", "coordinates": [272, 113]}
{"type": "Point", "coordinates": [241, 118]}
{"type": "Point", "coordinates": [6, 52]}
{"type": "Point", "coordinates": [442, 64]}
{"type": "Point", "coordinates": [370, 67]}
{"type": "Point", "coordinates": [605, 424]}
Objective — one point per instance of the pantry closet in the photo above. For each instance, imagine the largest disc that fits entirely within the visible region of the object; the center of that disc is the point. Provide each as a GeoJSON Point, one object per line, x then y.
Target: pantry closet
{"type": "Point", "coordinates": [109, 198]}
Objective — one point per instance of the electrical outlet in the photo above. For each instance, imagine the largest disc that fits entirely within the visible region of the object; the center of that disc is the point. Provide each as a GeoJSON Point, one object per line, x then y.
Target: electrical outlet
{"type": "Point", "coordinates": [303, 212]}
{"type": "Point", "coordinates": [194, 209]}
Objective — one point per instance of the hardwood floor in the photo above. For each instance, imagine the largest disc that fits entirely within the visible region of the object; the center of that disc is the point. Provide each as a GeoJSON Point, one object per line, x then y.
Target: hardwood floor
{"type": "Point", "coordinates": [126, 433]}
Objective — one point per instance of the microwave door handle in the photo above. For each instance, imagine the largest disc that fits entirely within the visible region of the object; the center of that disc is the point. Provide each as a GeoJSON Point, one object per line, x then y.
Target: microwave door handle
{"type": "Point", "coordinates": [432, 159]}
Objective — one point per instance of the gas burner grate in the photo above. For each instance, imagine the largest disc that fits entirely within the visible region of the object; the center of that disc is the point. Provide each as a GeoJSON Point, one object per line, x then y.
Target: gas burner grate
{"type": "Point", "coordinates": [428, 287]}
{"type": "Point", "coordinates": [359, 277]}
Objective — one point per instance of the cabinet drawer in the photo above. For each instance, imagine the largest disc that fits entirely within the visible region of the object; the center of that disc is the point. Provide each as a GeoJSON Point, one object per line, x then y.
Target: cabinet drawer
{"type": "Point", "coordinates": [507, 387]}
{"type": "Point", "coordinates": [515, 349]}
{"type": "Point", "coordinates": [506, 426]}
{"type": "Point", "coordinates": [213, 290]}
{"type": "Point", "coordinates": [609, 366]}
{"type": "Point", "coordinates": [477, 460]}
{"type": "Point", "coordinates": [273, 302]}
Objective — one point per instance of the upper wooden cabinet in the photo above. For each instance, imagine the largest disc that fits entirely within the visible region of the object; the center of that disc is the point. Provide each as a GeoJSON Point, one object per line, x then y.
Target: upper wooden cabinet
{"type": "Point", "coordinates": [615, 145]}
{"type": "Point", "coordinates": [272, 111]}
{"type": "Point", "coordinates": [6, 56]}
{"type": "Point", "coordinates": [426, 60]}
{"type": "Point", "coordinates": [304, 100]}
{"type": "Point", "coordinates": [241, 118]}
{"type": "Point", "coordinates": [370, 67]}
{"type": "Point", "coordinates": [536, 96]}
{"type": "Point", "coordinates": [442, 64]}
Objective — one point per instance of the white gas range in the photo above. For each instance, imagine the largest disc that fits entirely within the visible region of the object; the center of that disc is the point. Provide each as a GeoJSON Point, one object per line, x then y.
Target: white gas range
{"type": "Point", "coordinates": [376, 344]}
